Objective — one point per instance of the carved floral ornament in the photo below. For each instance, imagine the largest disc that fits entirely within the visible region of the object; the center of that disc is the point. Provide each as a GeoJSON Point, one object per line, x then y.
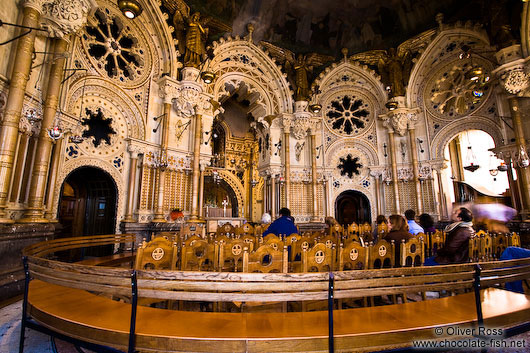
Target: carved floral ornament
{"type": "Point", "coordinates": [400, 120]}
{"type": "Point", "coordinates": [62, 17]}
{"type": "Point", "coordinates": [515, 81]}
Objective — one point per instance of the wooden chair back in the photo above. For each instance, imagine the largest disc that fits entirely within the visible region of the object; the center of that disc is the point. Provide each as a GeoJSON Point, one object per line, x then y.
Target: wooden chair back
{"type": "Point", "coordinates": [382, 228]}
{"type": "Point", "coordinates": [486, 247]}
{"type": "Point", "coordinates": [170, 236]}
{"type": "Point", "coordinates": [366, 228]}
{"type": "Point", "coordinates": [250, 240]}
{"type": "Point", "coordinates": [474, 248]}
{"type": "Point", "coordinates": [353, 228]}
{"type": "Point", "coordinates": [381, 254]}
{"type": "Point", "coordinates": [437, 242]}
{"type": "Point", "coordinates": [222, 238]}
{"type": "Point", "coordinates": [226, 229]}
{"type": "Point", "coordinates": [265, 260]}
{"type": "Point", "coordinates": [500, 243]}
{"type": "Point", "coordinates": [231, 255]}
{"type": "Point", "coordinates": [514, 240]}
{"type": "Point", "coordinates": [412, 252]}
{"type": "Point", "coordinates": [318, 259]}
{"type": "Point", "coordinates": [245, 229]}
{"type": "Point", "coordinates": [192, 239]}
{"type": "Point", "coordinates": [158, 254]}
{"type": "Point", "coordinates": [353, 256]}
{"type": "Point", "coordinates": [273, 241]}
{"type": "Point", "coordinates": [190, 229]}
{"type": "Point", "coordinates": [336, 230]}
{"type": "Point", "coordinates": [200, 256]}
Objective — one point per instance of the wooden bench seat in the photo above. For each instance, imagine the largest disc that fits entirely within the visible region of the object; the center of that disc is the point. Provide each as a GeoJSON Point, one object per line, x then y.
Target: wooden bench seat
{"type": "Point", "coordinates": [86, 316]}
{"type": "Point", "coordinates": [110, 260]}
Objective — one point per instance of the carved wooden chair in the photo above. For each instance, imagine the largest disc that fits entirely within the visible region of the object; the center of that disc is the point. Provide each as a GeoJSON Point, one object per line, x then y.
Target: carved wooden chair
{"type": "Point", "coordinates": [500, 243]}
{"type": "Point", "coordinates": [245, 229]}
{"type": "Point", "coordinates": [200, 256]}
{"type": "Point", "coordinates": [353, 256]}
{"type": "Point", "coordinates": [250, 240]}
{"type": "Point", "coordinates": [353, 228]}
{"type": "Point", "coordinates": [436, 242]}
{"type": "Point", "coordinates": [412, 252]}
{"type": "Point", "coordinates": [474, 248]}
{"type": "Point", "coordinates": [190, 229]}
{"type": "Point", "coordinates": [514, 240]}
{"type": "Point", "coordinates": [226, 229]}
{"type": "Point", "coordinates": [231, 255]}
{"type": "Point", "coordinates": [273, 241]}
{"type": "Point", "coordinates": [319, 258]}
{"type": "Point", "coordinates": [381, 255]}
{"type": "Point", "coordinates": [486, 246]}
{"type": "Point", "coordinates": [265, 259]}
{"type": "Point", "coordinates": [158, 254]}
{"type": "Point", "coordinates": [382, 229]}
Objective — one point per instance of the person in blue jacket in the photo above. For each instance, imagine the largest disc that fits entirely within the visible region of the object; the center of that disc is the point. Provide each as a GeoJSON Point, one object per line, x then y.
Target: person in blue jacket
{"type": "Point", "coordinates": [283, 225]}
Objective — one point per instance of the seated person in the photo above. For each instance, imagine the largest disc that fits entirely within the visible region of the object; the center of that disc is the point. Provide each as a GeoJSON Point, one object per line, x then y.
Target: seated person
{"type": "Point", "coordinates": [414, 228]}
{"type": "Point", "coordinates": [283, 225]}
{"type": "Point", "coordinates": [379, 220]}
{"type": "Point", "coordinates": [456, 248]}
{"type": "Point", "coordinates": [427, 223]}
{"type": "Point", "coordinates": [398, 231]}
{"type": "Point", "coordinates": [512, 253]}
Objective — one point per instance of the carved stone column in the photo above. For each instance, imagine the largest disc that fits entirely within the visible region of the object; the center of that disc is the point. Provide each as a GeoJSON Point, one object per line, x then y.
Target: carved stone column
{"type": "Point", "coordinates": [376, 174]}
{"type": "Point", "coordinates": [523, 173]}
{"type": "Point", "coordinates": [35, 210]}
{"type": "Point", "coordinates": [415, 169]}
{"type": "Point", "coordinates": [132, 187]}
{"type": "Point", "coordinates": [393, 163]}
{"type": "Point", "coordinates": [273, 196]}
{"type": "Point", "coordinates": [196, 169]}
{"type": "Point", "coordinates": [287, 162]}
{"type": "Point", "coordinates": [15, 101]}
{"type": "Point", "coordinates": [201, 191]}
{"type": "Point", "coordinates": [314, 217]}
{"type": "Point", "coordinates": [54, 170]}
{"type": "Point", "coordinates": [442, 207]}
{"type": "Point", "coordinates": [159, 211]}
{"type": "Point", "coordinates": [20, 165]}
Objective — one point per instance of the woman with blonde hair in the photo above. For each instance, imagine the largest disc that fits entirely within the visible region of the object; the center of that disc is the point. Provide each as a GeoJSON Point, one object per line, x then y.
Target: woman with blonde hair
{"type": "Point", "coordinates": [398, 231]}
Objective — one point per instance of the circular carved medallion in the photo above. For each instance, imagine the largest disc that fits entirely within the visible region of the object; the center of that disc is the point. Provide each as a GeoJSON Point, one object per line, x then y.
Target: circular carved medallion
{"type": "Point", "coordinates": [236, 249]}
{"type": "Point", "coordinates": [305, 245]}
{"type": "Point", "coordinates": [354, 254]}
{"type": "Point", "coordinates": [348, 114]}
{"type": "Point", "coordinates": [382, 250]}
{"type": "Point", "coordinates": [319, 257]}
{"type": "Point", "coordinates": [157, 254]}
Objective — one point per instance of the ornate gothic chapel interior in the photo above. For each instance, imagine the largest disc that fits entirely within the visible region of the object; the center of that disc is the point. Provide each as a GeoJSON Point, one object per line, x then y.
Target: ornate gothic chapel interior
{"type": "Point", "coordinates": [140, 116]}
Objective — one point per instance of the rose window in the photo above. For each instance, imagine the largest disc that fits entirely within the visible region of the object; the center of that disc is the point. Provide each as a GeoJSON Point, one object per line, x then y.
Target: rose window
{"type": "Point", "coordinates": [456, 92]}
{"type": "Point", "coordinates": [348, 115]}
{"type": "Point", "coordinates": [116, 50]}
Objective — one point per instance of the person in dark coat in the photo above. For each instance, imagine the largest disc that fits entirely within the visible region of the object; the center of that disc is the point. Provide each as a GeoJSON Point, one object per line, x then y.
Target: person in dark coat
{"type": "Point", "coordinates": [283, 225]}
{"type": "Point", "coordinates": [427, 223]}
{"type": "Point", "coordinates": [456, 248]}
{"type": "Point", "coordinates": [398, 231]}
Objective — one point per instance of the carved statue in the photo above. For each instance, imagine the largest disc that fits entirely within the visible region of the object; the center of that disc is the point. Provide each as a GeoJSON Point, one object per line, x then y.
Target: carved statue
{"type": "Point", "coordinates": [191, 31]}
{"type": "Point", "coordinates": [395, 65]}
{"type": "Point", "coordinates": [297, 70]}
{"type": "Point", "coordinates": [195, 41]}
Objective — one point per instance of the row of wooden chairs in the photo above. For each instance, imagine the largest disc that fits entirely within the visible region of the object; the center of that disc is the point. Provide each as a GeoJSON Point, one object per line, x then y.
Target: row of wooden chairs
{"type": "Point", "coordinates": [295, 254]}
{"type": "Point", "coordinates": [485, 246]}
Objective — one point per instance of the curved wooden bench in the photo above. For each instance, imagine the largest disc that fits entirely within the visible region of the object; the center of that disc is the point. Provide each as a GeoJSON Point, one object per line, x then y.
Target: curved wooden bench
{"type": "Point", "coordinates": [65, 298]}
{"type": "Point", "coordinates": [93, 318]}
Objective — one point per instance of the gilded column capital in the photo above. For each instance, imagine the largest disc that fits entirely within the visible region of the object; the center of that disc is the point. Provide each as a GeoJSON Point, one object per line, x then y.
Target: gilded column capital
{"type": "Point", "coordinates": [400, 120]}
{"type": "Point", "coordinates": [34, 4]}
{"type": "Point", "coordinates": [62, 17]}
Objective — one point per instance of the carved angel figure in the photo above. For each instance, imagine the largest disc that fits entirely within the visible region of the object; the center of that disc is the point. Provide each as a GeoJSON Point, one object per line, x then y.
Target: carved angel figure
{"type": "Point", "coordinates": [298, 69]}
{"type": "Point", "coordinates": [395, 65]}
{"type": "Point", "coordinates": [191, 31]}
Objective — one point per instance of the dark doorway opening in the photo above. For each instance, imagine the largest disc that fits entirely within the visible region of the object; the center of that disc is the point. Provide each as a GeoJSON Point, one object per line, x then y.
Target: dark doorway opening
{"type": "Point", "coordinates": [87, 206]}
{"type": "Point", "coordinates": [352, 206]}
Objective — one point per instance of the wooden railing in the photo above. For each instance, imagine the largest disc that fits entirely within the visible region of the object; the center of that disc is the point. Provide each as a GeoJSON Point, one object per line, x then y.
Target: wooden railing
{"type": "Point", "coordinates": [256, 287]}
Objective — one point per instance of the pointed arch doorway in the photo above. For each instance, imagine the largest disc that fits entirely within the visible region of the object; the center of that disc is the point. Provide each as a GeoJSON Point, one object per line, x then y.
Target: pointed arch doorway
{"type": "Point", "coordinates": [352, 206]}
{"type": "Point", "coordinates": [87, 206]}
